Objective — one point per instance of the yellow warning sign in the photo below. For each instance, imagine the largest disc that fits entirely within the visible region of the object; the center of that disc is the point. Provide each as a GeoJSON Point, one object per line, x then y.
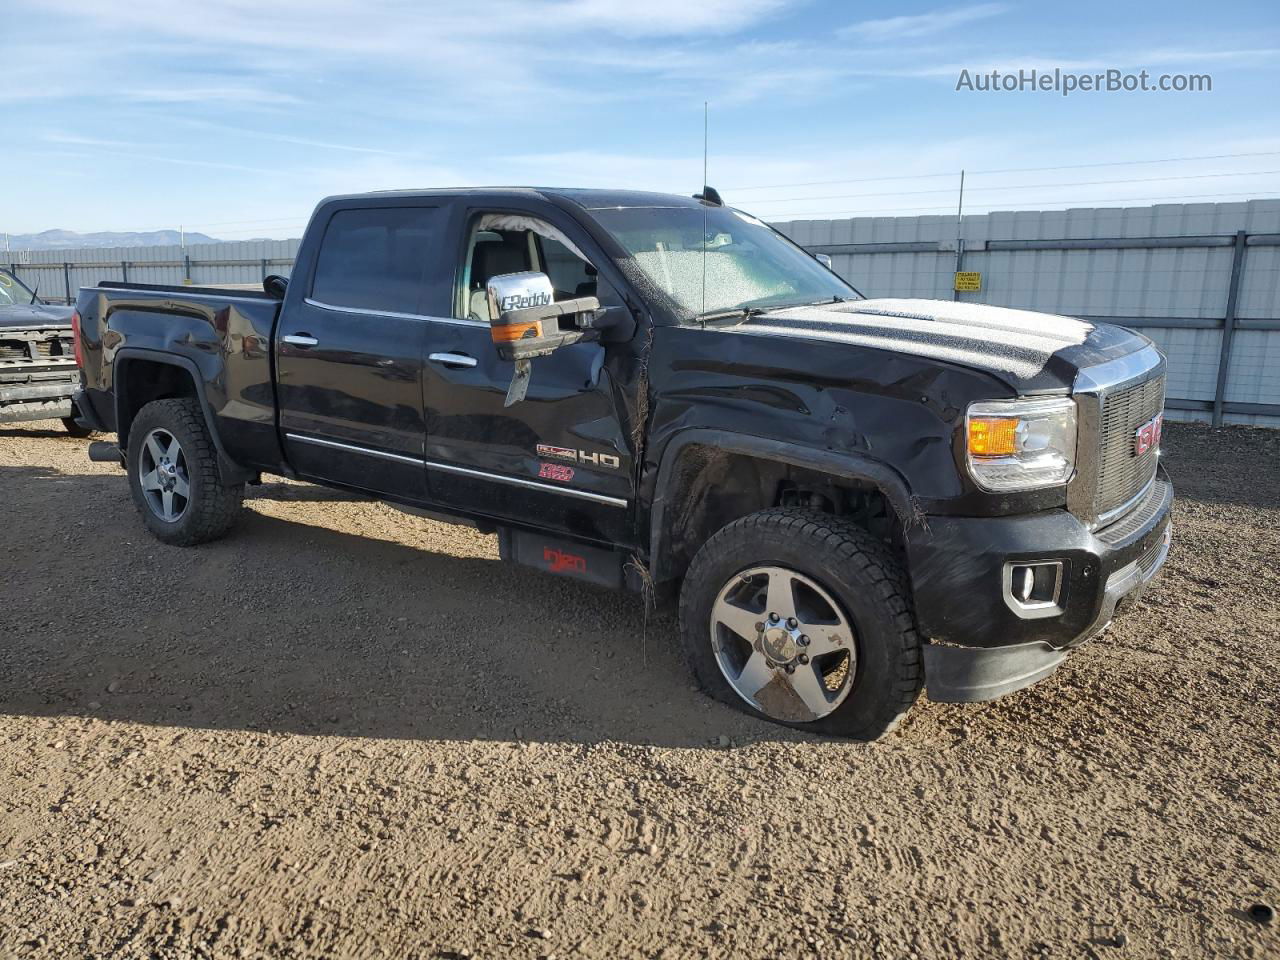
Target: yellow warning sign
{"type": "Point", "coordinates": [968, 281]}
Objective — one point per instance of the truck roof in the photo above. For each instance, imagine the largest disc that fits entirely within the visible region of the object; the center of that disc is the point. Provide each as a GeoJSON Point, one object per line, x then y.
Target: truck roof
{"type": "Point", "coordinates": [588, 198]}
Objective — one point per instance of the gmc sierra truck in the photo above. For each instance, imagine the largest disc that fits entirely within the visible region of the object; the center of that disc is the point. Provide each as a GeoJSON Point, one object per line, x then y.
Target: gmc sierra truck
{"type": "Point", "coordinates": [851, 499]}
{"type": "Point", "coordinates": [38, 374]}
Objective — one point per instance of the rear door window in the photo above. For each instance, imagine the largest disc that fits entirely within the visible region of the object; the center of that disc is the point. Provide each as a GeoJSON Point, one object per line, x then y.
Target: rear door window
{"type": "Point", "coordinates": [377, 259]}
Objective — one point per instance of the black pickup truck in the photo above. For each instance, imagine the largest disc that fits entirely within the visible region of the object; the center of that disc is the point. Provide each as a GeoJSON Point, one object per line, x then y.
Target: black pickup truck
{"type": "Point", "coordinates": [38, 373]}
{"type": "Point", "coordinates": [852, 499]}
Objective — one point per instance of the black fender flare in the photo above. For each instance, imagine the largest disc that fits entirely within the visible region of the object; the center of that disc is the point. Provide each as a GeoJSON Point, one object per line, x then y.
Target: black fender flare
{"type": "Point", "coordinates": [232, 469]}
{"type": "Point", "coordinates": [846, 465]}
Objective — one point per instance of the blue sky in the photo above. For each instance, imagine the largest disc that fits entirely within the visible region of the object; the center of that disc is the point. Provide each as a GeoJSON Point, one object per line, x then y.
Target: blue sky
{"type": "Point", "coordinates": [233, 117]}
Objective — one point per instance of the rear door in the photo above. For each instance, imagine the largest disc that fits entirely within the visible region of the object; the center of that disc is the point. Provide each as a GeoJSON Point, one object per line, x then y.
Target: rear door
{"type": "Point", "coordinates": [560, 459]}
{"type": "Point", "coordinates": [349, 350]}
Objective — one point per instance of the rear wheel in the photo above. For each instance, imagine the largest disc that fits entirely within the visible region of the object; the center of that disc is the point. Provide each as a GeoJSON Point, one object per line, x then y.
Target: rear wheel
{"type": "Point", "coordinates": [175, 477]}
{"type": "Point", "coordinates": [803, 619]}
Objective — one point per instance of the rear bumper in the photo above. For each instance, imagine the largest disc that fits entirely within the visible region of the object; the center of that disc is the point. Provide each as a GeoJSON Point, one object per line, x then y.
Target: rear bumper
{"type": "Point", "coordinates": [981, 645]}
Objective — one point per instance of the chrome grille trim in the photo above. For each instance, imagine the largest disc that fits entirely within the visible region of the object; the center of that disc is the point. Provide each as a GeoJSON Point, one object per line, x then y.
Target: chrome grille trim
{"type": "Point", "coordinates": [1094, 387]}
{"type": "Point", "coordinates": [1122, 474]}
{"type": "Point", "coordinates": [1154, 499]}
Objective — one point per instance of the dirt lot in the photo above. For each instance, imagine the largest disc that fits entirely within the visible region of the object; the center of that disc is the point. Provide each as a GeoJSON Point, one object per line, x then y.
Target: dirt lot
{"type": "Point", "coordinates": [347, 732]}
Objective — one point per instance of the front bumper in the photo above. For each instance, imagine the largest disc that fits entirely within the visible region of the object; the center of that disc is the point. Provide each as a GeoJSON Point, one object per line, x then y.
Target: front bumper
{"type": "Point", "coordinates": [980, 646]}
{"type": "Point", "coordinates": [37, 389]}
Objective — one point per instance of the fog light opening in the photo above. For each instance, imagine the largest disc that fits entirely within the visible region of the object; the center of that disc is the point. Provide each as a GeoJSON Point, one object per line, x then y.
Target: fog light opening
{"type": "Point", "coordinates": [1033, 588]}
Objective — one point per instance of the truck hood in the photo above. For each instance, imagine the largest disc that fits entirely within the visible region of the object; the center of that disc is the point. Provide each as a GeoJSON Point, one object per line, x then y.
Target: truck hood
{"type": "Point", "coordinates": [1031, 352]}
{"type": "Point", "coordinates": [23, 316]}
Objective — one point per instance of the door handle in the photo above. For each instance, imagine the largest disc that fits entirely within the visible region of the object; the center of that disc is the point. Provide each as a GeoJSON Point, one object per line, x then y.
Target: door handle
{"type": "Point", "coordinates": [300, 339]}
{"type": "Point", "coordinates": [453, 359]}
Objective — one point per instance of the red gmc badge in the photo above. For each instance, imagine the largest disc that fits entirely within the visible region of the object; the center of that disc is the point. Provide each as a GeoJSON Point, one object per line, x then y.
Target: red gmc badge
{"type": "Point", "coordinates": [1147, 436]}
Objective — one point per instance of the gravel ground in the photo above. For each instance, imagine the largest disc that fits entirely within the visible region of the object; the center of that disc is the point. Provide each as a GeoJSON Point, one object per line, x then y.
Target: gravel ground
{"type": "Point", "coordinates": [347, 732]}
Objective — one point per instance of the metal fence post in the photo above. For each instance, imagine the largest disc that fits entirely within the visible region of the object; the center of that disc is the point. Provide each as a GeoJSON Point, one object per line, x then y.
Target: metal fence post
{"type": "Point", "coordinates": [186, 266]}
{"type": "Point", "coordinates": [66, 280]}
{"type": "Point", "coordinates": [264, 268]}
{"type": "Point", "coordinates": [124, 271]}
{"type": "Point", "coordinates": [1229, 327]}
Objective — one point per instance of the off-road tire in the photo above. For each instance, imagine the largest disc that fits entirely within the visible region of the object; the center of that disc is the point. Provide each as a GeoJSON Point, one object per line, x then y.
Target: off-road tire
{"type": "Point", "coordinates": [214, 504]}
{"type": "Point", "coordinates": [857, 569]}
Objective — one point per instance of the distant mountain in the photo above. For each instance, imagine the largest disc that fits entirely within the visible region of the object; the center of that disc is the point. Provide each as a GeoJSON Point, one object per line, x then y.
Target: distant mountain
{"type": "Point", "coordinates": [70, 240]}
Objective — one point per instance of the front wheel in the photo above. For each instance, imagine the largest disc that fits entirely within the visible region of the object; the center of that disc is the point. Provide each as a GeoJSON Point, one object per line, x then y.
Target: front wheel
{"type": "Point", "coordinates": [175, 477]}
{"type": "Point", "coordinates": [803, 619]}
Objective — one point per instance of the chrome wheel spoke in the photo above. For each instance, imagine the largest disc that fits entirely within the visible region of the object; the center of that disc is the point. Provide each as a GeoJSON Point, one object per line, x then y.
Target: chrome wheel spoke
{"type": "Point", "coordinates": [181, 487]}
{"type": "Point", "coordinates": [808, 687]}
{"type": "Point", "coordinates": [166, 505]}
{"type": "Point", "coordinates": [781, 598]}
{"type": "Point", "coordinates": [154, 448]}
{"type": "Point", "coordinates": [756, 674]}
{"type": "Point", "coordinates": [174, 451]}
{"type": "Point", "coordinates": [150, 481]}
{"type": "Point", "coordinates": [740, 621]}
{"type": "Point", "coordinates": [827, 638]}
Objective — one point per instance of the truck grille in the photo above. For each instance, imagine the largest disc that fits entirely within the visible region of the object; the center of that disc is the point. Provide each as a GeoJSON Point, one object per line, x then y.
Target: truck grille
{"type": "Point", "coordinates": [1122, 474]}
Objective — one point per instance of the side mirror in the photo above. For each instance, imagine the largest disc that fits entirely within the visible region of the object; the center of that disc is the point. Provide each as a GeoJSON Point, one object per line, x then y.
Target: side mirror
{"type": "Point", "coordinates": [527, 319]}
{"type": "Point", "coordinates": [825, 260]}
{"type": "Point", "coordinates": [526, 322]}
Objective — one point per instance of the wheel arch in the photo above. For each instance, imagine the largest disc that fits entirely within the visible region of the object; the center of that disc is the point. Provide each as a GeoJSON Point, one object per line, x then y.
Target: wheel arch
{"type": "Point", "coordinates": [687, 467]}
{"type": "Point", "coordinates": [173, 376]}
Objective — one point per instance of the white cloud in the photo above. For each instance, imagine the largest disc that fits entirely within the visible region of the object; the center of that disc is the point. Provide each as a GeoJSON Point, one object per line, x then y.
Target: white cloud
{"type": "Point", "coordinates": [920, 25]}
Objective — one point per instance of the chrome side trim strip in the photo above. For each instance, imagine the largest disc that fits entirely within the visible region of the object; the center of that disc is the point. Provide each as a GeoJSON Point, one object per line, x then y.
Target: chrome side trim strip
{"type": "Point", "coordinates": [463, 471]}
{"type": "Point", "coordinates": [391, 313]}
{"type": "Point", "coordinates": [533, 484]}
{"type": "Point", "coordinates": [334, 444]}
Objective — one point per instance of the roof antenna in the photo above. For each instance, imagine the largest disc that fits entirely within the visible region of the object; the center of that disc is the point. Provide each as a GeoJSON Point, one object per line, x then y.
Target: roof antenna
{"type": "Point", "coordinates": [705, 190]}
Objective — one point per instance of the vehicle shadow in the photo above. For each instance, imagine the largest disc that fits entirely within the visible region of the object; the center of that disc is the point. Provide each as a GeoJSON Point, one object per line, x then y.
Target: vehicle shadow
{"type": "Point", "coordinates": [289, 625]}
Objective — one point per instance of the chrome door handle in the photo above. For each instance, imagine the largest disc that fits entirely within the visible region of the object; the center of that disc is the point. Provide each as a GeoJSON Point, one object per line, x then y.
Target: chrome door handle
{"type": "Point", "coordinates": [453, 359]}
{"type": "Point", "coordinates": [300, 340]}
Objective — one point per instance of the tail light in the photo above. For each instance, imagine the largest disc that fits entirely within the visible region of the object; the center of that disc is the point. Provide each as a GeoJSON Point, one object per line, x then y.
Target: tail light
{"type": "Point", "coordinates": [75, 337]}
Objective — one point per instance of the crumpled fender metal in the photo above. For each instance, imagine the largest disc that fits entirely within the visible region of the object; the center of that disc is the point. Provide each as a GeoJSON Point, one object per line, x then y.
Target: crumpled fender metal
{"type": "Point", "coordinates": [845, 465]}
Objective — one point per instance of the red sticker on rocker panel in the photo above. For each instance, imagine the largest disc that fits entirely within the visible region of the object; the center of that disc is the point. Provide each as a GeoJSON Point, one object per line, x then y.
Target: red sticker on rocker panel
{"type": "Point", "coordinates": [560, 562]}
{"type": "Point", "coordinates": [556, 471]}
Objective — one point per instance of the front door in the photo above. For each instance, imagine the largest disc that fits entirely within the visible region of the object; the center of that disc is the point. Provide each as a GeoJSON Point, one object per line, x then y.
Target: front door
{"type": "Point", "coordinates": [559, 459]}
{"type": "Point", "coordinates": [349, 352]}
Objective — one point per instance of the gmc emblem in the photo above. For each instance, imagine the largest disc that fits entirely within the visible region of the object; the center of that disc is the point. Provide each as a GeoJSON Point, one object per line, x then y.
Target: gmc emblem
{"type": "Point", "coordinates": [1147, 436]}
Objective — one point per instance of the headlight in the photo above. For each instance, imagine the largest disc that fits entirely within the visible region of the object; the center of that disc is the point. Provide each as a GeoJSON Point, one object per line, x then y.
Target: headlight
{"type": "Point", "coordinates": [1021, 444]}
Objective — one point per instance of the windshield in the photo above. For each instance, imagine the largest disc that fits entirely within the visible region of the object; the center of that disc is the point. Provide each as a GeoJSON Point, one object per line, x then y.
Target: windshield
{"type": "Point", "coordinates": [746, 264]}
{"type": "Point", "coordinates": [11, 290]}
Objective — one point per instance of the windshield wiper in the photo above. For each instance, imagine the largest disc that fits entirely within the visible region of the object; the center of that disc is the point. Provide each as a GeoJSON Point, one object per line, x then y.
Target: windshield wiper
{"type": "Point", "coordinates": [741, 314]}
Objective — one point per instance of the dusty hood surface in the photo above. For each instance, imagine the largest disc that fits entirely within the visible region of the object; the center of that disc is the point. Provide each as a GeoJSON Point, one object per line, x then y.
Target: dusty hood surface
{"type": "Point", "coordinates": [34, 315]}
{"type": "Point", "coordinates": [1030, 351]}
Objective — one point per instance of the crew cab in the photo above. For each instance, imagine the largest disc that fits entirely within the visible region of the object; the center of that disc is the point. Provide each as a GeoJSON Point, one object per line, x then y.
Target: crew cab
{"type": "Point", "coordinates": [851, 499]}
{"type": "Point", "coordinates": [38, 373]}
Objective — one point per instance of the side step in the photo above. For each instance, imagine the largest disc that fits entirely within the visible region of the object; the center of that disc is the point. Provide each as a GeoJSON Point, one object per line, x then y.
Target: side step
{"type": "Point", "coordinates": [103, 451]}
{"type": "Point", "coordinates": [564, 558]}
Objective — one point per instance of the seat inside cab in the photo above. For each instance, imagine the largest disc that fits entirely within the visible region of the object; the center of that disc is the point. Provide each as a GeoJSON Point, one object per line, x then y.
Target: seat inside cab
{"type": "Point", "coordinates": [493, 252]}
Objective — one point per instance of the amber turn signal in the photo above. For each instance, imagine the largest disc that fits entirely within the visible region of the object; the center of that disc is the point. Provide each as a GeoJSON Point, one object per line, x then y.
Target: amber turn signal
{"type": "Point", "coordinates": [993, 436]}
